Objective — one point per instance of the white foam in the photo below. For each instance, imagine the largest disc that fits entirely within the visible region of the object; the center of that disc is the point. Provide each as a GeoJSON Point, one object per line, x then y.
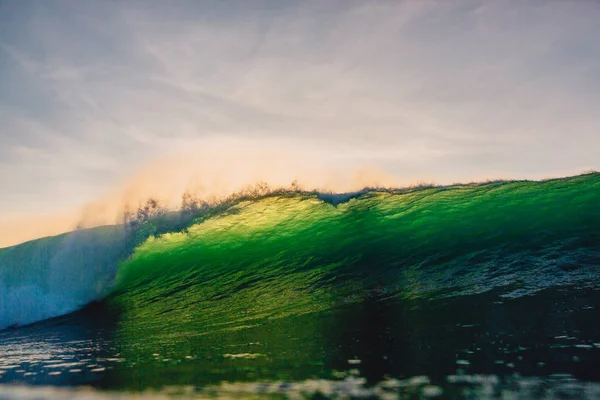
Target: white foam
{"type": "Point", "coordinates": [55, 276]}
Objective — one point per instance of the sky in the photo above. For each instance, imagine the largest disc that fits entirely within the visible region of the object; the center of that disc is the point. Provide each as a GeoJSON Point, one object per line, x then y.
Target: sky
{"type": "Point", "coordinates": [93, 93]}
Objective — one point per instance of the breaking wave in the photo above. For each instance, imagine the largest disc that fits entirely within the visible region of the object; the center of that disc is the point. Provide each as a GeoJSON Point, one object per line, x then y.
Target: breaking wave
{"type": "Point", "coordinates": [293, 252]}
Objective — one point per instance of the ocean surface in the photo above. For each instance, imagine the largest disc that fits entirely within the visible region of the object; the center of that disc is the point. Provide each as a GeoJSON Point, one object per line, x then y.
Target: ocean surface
{"type": "Point", "coordinates": [484, 290]}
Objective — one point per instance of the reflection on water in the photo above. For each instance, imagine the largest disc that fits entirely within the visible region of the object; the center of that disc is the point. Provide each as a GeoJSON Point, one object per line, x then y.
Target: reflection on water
{"type": "Point", "coordinates": [71, 350]}
{"type": "Point", "coordinates": [550, 337]}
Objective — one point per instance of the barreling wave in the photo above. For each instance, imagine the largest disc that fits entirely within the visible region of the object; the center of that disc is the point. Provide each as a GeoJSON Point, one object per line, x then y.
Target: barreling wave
{"type": "Point", "coordinates": [291, 252]}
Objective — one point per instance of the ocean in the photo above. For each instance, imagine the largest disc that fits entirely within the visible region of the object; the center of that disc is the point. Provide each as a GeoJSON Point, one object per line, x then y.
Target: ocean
{"type": "Point", "coordinates": [486, 290]}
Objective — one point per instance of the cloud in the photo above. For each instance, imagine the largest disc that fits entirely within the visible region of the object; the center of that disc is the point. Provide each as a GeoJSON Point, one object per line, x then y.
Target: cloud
{"type": "Point", "coordinates": [427, 90]}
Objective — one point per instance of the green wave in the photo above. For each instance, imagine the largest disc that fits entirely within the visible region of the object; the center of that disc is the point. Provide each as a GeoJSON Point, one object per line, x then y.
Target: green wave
{"type": "Point", "coordinates": [289, 286]}
{"type": "Point", "coordinates": [290, 254]}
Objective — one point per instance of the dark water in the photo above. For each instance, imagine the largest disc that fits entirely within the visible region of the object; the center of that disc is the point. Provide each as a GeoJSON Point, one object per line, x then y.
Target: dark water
{"type": "Point", "coordinates": [482, 290]}
{"type": "Point", "coordinates": [545, 336]}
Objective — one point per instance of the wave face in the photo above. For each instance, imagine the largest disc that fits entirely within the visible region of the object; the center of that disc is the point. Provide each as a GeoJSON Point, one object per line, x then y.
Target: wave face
{"type": "Point", "coordinates": [522, 236]}
{"type": "Point", "coordinates": [290, 255]}
{"type": "Point", "coordinates": [293, 253]}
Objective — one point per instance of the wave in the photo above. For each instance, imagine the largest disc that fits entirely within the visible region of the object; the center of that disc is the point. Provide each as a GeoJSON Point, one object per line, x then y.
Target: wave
{"type": "Point", "coordinates": [293, 252]}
